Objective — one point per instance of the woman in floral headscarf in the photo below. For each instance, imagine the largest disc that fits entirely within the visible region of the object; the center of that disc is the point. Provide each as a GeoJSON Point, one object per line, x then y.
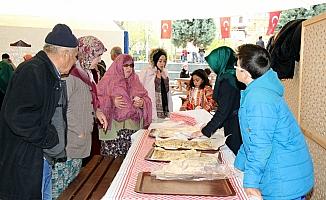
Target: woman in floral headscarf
{"type": "Point", "coordinates": [227, 95]}
{"type": "Point", "coordinates": [125, 103]}
{"type": "Point", "coordinates": [82, 102]}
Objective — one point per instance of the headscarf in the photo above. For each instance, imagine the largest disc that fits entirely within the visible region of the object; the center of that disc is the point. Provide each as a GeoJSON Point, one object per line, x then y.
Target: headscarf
{"type": "Point", "coordinates": [6, 72]}
{"type": "Point", "coordinates": [222, 60]}
{"type": "Point", "coordinates": [89, 48]}
{"type": "Point", "coordinates": [114, 84]}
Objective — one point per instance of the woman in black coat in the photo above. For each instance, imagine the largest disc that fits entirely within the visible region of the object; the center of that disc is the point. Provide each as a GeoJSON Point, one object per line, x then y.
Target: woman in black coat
{"type": "Point", "coordinates": [227, 95]}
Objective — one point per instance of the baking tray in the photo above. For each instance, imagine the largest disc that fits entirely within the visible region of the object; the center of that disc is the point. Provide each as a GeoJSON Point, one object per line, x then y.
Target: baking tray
{"type": "Point", "coordinates": [149, 156]}
{"type": "Point", "coordinates": [148, 184]}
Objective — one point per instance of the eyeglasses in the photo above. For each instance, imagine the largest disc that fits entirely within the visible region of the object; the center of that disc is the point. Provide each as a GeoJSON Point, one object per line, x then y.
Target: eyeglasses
{"type": "Point", "coordinates": [239, 68]}
{"type": "Point", "coordinates": [129, 65]}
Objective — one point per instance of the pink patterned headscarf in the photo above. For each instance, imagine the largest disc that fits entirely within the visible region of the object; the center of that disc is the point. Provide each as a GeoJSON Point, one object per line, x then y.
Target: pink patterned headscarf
{"type": "Point", "coordinates": [114, 84]}
{"type": "Point", "coordinates": [89, 48]}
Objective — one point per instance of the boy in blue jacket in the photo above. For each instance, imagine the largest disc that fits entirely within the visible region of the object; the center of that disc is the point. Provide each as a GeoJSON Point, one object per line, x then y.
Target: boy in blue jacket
{"type": "Point", "coordinates": [274, 156]}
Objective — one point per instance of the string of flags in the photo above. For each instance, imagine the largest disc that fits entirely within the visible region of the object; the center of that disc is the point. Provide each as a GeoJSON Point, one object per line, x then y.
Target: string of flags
{"type": "Point", "coordinates": [225, 26]}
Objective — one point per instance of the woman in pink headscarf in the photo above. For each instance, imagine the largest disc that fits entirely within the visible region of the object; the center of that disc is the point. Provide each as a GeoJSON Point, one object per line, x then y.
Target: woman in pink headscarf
{"type": "Point", "coordinates": [125, 103]}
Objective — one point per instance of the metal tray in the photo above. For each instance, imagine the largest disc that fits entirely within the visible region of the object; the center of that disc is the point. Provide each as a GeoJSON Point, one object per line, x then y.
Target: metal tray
{"type": "Point", "coordinates": [148, 184]}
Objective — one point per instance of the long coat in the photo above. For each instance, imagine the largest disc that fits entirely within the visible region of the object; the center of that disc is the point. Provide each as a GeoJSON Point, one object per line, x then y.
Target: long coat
{"type": "Point", "coordinates": [147, 78]}
{"type": "Point", "coordinates": [226, 115]}
{"type": "Point", "coordinates": [26, 129]}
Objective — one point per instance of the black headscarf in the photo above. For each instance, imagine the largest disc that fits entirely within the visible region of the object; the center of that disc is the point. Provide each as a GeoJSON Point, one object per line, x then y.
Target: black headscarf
{"type": "Point", "coordinates": [156, 57]}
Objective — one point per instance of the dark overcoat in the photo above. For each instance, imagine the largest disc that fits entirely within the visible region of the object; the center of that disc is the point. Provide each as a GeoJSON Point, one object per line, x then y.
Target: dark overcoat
{"type": "Point", "coordinates": [26, 129]}
{"type": "Point", "coordinates": [228, 100]}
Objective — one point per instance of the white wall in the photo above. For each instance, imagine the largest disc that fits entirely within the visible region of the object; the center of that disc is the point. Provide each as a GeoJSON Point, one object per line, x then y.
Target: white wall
{"type": "Point", "coordinates": [35, 36]}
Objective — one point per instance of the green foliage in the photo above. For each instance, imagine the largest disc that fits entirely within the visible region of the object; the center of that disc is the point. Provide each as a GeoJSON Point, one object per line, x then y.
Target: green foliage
{"type": "Point", "coordinates": [300, 13]}
{"type": "Point", "coordinates": [197, 31]}
{"type": "Point", "coordinates": [233, 44]}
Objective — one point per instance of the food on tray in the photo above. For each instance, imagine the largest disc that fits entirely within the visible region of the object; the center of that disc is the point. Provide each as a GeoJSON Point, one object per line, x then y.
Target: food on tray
{"type": "Point", "coordinates": [169, 155]}
{"type": "Point", "coordinates": [162, 133]}
{"type": "Point", "coordinates": [207, 168]}
{"type": "Point", "coordinates": [171, 132]}
{"type": "Point", "coordinates": [171, 143]}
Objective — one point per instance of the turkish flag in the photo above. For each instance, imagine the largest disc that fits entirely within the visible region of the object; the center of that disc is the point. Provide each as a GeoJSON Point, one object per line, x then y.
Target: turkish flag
{"type": "Point", "coordinates": [166, 29]}
{"type": "Point", "coordinates": [225, 23]}
{"type": "Point", "coordinates": [273, 20]}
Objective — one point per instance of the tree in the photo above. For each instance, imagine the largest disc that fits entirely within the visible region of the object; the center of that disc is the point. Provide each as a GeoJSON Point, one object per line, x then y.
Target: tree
{"type": "Point", "coordinates": [197, 31]}
{"type": "Point", "coordinates": [300, 13]}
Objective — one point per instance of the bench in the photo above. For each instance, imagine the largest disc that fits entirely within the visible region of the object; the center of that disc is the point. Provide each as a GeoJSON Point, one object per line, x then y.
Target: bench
{"type": "Point", "coordinates": [94, 179]}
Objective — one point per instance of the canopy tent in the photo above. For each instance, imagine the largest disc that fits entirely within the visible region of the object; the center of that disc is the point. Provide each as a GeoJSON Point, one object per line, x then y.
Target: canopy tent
{"type": "Point", "coordinates": [102, 10]}
{"type": "Point", "coordinates": [20, 43]}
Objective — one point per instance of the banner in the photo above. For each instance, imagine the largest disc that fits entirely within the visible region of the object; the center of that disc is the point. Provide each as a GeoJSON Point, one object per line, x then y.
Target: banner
{"type": "Point", "coordinates": [225, 23]}
{"type": "Point", "coordinates": [273, 20]}
{"type": "Point", "coordinates": [166, 29]}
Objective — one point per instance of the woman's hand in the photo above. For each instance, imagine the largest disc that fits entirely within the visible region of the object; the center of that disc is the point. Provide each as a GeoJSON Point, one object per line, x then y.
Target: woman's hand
{"type": "Point", "coordinates": [198, 107]}
{"type": "Point", "coordinates": [138, 102]}
{"type": "Point", "coordinates": [196, 134]}
{"type": "Point", "coordinates": [102, 119]}
{"type": "Point", "coordinates": [119, 102]}
{"type": "Point", "coordinates": [253, 192]}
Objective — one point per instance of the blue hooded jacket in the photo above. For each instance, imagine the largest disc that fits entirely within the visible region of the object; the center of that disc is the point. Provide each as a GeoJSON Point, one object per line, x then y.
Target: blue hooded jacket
{"type": "Point", "coordinates": [274, 156]}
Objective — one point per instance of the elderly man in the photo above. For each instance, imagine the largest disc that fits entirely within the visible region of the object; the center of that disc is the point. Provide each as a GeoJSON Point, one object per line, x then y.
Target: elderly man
{"type": "Point", "coordinates": [115, 52]}
{"type": "Point", "coordinates": [26, 125]}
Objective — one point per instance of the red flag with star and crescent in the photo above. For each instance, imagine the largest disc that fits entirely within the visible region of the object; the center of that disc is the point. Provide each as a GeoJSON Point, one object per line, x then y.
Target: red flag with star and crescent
{"type": "Point", "coordinates": [225, 23]}
{"type": "Point", "coordinates": [273, 20]}
{"type": "Point", "coordinates": [166, 29]}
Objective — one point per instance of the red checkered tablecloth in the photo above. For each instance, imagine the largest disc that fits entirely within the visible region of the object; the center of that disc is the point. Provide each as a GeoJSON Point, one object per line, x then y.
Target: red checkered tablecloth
{"type": "Point", "coordinates": [124, 183]}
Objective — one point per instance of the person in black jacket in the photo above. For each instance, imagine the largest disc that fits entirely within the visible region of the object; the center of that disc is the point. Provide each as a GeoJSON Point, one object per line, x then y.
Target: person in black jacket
{"type": "Point", "coordinates": [26, 127]}
{"type": "Point", "coordinates": [227, 95]}
{"type": "Point", "coordinates": [185, 71]}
